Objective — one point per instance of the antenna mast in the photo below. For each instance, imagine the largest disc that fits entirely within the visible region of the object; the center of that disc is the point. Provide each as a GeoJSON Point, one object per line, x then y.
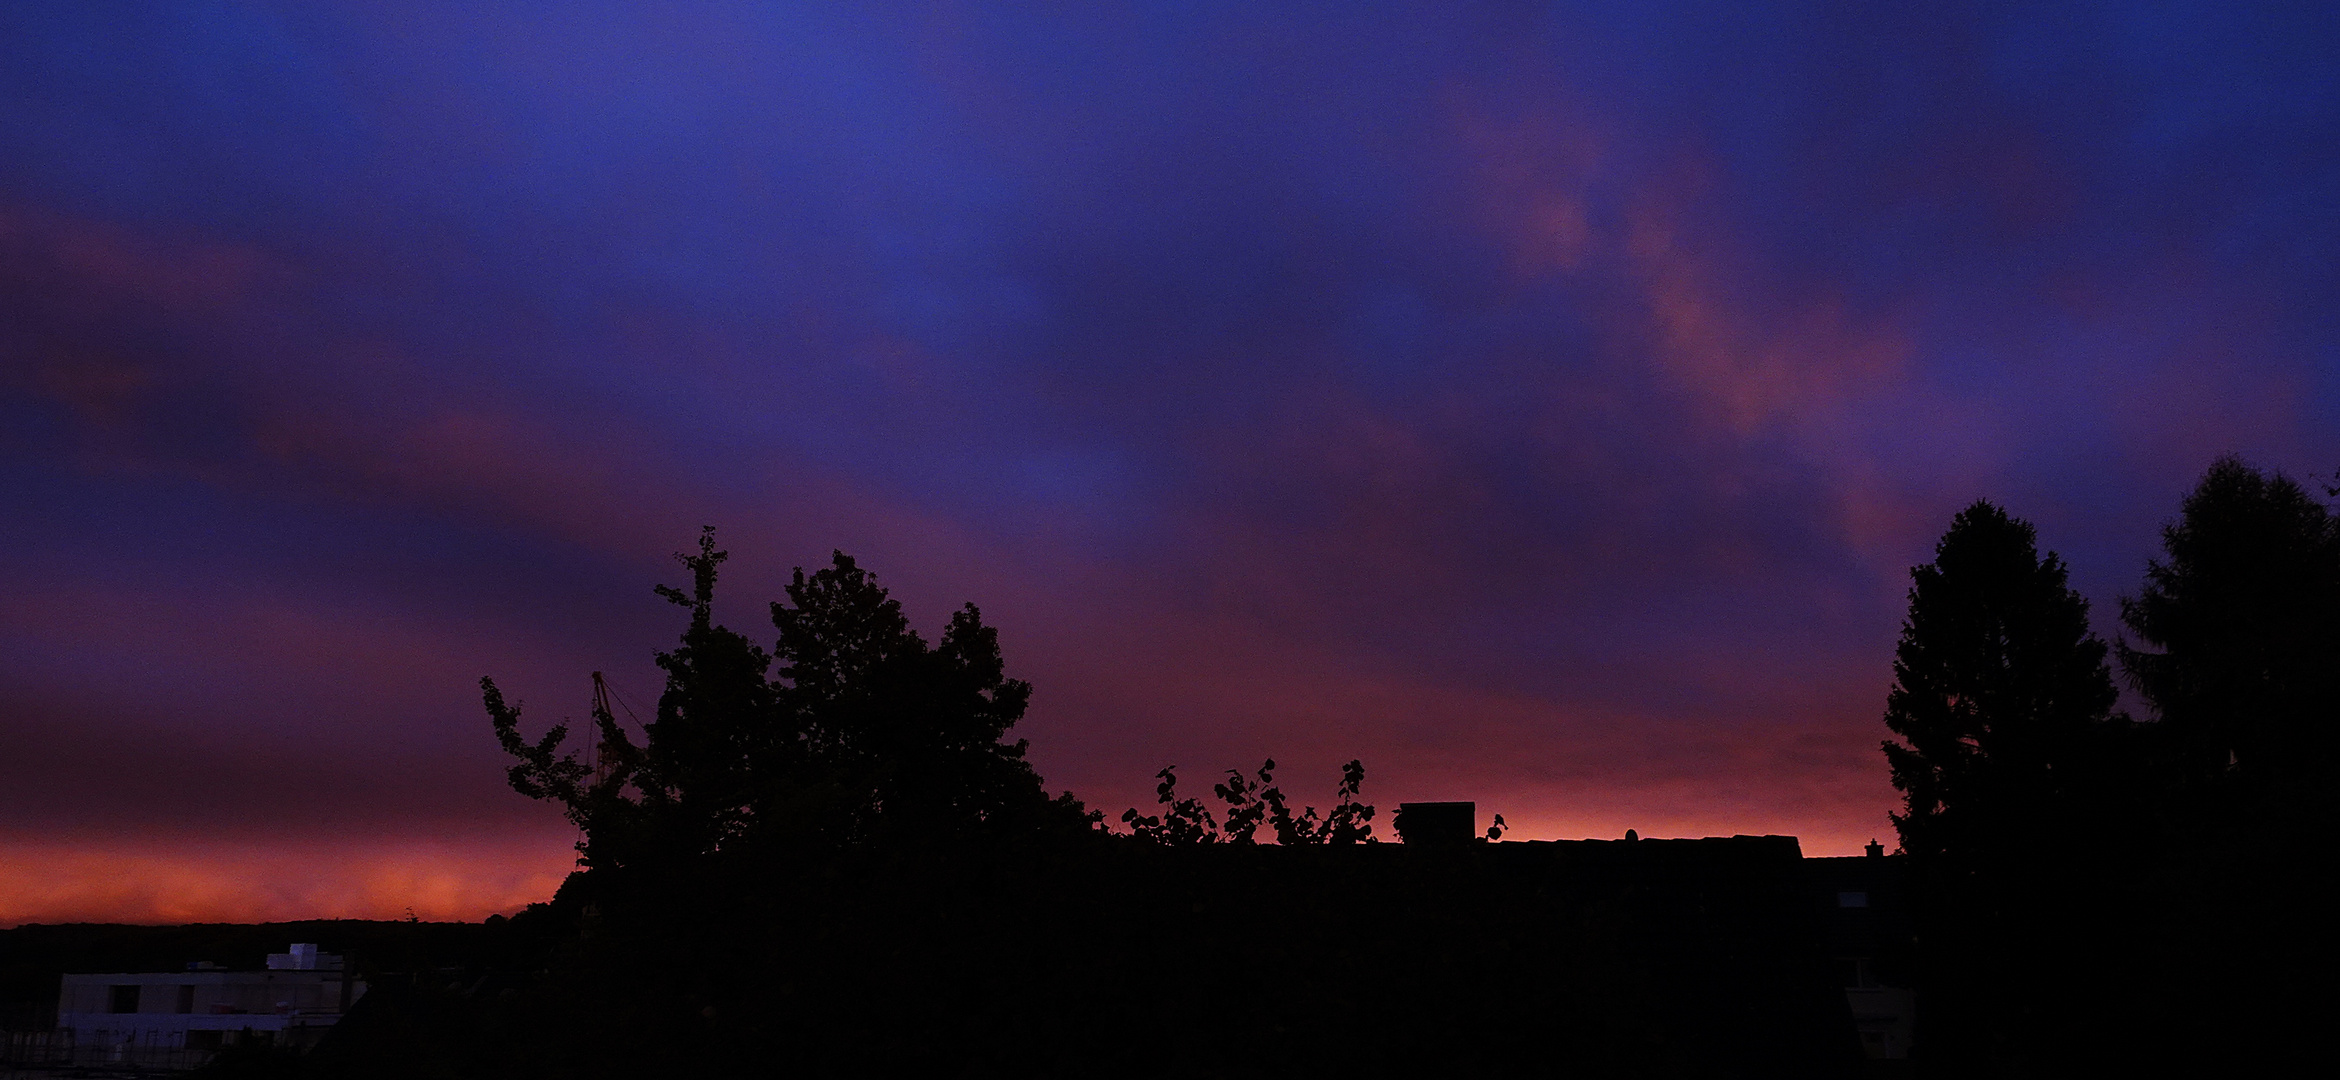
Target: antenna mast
{"type": "Point", "coordinates": [594, 758]}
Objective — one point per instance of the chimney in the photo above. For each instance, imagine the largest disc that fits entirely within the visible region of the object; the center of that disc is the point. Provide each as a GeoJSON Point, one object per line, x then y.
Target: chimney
{"type": "Point", "coordinates": [1437, 824]}
{"type": "Point", "coordinates": [1875, 849]}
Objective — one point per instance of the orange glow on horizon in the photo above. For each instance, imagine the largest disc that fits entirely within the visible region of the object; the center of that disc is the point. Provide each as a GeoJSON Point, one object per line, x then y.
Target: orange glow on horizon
{"type": "Point", "coordinates": [168, 881]}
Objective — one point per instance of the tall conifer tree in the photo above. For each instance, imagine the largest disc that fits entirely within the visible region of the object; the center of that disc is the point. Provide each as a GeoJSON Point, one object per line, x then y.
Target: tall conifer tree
{"type": "Point", "coordinates": [2000, 694]}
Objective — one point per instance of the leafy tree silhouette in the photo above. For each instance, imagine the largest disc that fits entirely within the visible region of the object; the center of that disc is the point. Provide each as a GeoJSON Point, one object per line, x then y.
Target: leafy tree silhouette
{"type": "Point", "coordinates": [2237, 649]}
{"type": "Point", "coordinates": [866, 735]}
{"type": "Point", "coordinates": [1182, 821]}
{"type": "Point", "coordinates": [2242, 621]}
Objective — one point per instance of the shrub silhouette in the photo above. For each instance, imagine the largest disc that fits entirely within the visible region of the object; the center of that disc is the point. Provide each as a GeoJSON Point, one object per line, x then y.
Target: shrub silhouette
{"type": "Point", "coordinates": [1250, 804]}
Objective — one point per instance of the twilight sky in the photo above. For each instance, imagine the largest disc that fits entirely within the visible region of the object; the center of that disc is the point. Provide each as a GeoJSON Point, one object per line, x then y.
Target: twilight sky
{"type": "Point", "coordinates": [1543, 403]}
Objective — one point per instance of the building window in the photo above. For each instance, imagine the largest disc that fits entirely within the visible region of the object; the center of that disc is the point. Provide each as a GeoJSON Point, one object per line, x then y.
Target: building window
{"type": "Point", "coordinates": [1852, 899]}
{"type": "Point", "coordinates": [198, 1039]}
{"type": "Point", "coordinates": [122, 999]}
{"type": "Point", "coordinates": [187, 997]}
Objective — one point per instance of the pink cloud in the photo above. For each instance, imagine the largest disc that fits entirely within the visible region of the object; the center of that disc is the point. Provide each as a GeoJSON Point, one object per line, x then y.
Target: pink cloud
{"type": "Point", "coordinates": [185, 273]}
{"type": "Point", "coordinates": [1533, 176]}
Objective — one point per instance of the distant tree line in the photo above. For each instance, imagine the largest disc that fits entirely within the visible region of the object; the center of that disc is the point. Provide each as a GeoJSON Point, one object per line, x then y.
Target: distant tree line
{"type": "Point", "coordinates": [2159, 861]}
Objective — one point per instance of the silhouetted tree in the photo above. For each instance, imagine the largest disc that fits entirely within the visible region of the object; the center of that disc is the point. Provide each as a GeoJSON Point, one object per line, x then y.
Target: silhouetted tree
{"type": "Point", "coordinates": [2001, 693]}
{"type": "Point", "coordinates": [907, 742]}
{"type": "Point", "coordinates": [2241, 620]}
{"type": "Point", "coordinates": [867, 735]}
{"type": "Point", "coordinates": [2235, 643]}
{"type": "Point", "coordinates": [2001, 698]}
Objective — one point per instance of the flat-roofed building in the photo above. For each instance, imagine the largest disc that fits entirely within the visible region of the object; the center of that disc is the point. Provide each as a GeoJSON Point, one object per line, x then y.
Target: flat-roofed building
{"type": "Point", "coordinates": [301, 993]}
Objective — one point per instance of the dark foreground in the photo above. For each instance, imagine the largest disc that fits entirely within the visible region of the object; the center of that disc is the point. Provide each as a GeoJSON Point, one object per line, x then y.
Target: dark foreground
{"type": "Point", "coordinates": [1651, 958]}
{"type": "Point", "coordinates": [1648, 958]}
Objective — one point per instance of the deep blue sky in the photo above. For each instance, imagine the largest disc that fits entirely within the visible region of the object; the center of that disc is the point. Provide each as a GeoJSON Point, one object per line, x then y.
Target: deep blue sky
{"type": "Point", "coordinates": [1543, 403]}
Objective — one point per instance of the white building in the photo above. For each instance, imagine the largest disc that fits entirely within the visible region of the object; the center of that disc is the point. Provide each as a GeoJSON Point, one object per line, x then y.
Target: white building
{"type": "Point", "coordinates": [302, 993]}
